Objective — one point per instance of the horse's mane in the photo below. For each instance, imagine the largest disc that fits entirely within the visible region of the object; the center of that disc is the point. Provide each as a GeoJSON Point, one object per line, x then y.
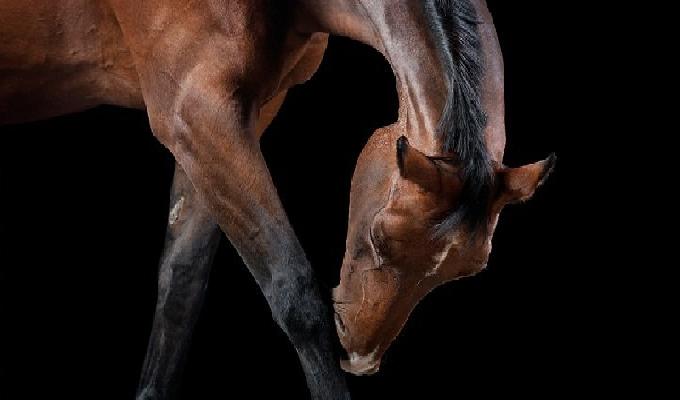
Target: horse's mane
{"type": "Point", "coordinates": [455, 23]}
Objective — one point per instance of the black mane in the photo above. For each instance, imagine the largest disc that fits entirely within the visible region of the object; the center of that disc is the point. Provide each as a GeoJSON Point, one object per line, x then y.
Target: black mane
{"type": "Point", "coordinates": [455, 24]}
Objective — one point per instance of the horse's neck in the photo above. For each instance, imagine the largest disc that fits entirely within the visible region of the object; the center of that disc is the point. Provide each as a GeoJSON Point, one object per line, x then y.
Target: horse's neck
{"type": "Point", "coordinates": [493, 84]}
{"type": "Point", "coordinates": [402, 35]}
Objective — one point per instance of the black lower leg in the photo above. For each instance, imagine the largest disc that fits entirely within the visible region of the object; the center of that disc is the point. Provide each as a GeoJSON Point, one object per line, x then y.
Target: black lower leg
{"type": "Point", "coordinates": [296, 305]}
{"type": "Point", "coordinates": [191, 241]}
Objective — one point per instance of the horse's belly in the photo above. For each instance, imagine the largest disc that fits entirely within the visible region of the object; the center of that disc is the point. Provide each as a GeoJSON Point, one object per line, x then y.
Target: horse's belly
{"type": "Point", "coordinates": [62, 56]}
{"type": "Point", "coordinates": [43, 93]}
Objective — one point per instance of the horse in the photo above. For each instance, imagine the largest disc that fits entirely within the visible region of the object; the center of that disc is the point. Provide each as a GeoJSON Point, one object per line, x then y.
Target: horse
{"type": "Point", "coordinates": [211, 74]}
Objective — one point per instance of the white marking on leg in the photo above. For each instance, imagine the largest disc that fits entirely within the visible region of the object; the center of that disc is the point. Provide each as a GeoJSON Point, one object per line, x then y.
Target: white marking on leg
{"type": "Point", "coordinates": [176, 210]}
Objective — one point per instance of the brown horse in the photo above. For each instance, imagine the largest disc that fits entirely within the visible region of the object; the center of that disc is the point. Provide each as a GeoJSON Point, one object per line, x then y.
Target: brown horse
{"type": "Point", "coordinates": [211, 75]}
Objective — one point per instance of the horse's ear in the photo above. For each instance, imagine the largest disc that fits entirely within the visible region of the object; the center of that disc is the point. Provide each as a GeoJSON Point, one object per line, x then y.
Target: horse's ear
{"type": "Point", "coordinates": [519, 184]}
{"type": "Point", "coordinates": [416, 166]}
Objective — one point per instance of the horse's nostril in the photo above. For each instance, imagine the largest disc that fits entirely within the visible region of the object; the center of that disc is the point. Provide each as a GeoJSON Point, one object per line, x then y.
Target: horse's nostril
{"type": "Point", "coordinates": [342, 330]}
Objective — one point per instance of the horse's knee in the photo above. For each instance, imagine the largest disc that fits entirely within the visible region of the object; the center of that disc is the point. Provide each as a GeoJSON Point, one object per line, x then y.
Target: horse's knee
{"type": "Point", "coordinates": [298, 308]}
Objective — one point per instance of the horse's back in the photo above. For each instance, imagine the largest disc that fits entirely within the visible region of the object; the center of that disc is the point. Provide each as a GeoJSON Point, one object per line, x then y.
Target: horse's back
{"type": "Point", "coordinates": [60, 56]}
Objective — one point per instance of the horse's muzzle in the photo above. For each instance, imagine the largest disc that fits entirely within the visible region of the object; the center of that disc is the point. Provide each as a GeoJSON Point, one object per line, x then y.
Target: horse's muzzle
{"type": "Point", "coordinates": [361, 365]}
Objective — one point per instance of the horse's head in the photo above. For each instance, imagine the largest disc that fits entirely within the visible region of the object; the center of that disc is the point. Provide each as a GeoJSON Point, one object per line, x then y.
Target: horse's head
{"type": "Point", "coordinates": [393, 258]}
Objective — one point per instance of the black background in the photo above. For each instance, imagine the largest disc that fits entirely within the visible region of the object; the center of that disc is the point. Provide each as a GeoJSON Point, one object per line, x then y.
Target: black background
{"type": "Point", "coordinates": [83, 208]}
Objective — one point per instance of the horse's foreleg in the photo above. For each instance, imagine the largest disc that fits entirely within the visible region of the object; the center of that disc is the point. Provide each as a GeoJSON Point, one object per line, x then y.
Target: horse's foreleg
{"type": "Point", "coordinates": [213, 135]}
{"type": "Point", "coordinates": [190, 244]}
{"type": "Point", "coordinates": [191, 241]}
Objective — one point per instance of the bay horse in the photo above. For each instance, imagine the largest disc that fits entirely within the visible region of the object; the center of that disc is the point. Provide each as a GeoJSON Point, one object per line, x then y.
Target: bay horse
{"type": "Point", "coordinates": [211, 75]}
